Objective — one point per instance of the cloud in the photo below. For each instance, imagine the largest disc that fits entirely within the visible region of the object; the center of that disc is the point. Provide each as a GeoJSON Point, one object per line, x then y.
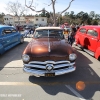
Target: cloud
{"type": "Point", "coordinates": [3, 8]}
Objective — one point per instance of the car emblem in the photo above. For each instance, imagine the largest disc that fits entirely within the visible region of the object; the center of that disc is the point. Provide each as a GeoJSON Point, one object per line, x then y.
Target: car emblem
{"type": "Point", "coordinates": [49, 67]}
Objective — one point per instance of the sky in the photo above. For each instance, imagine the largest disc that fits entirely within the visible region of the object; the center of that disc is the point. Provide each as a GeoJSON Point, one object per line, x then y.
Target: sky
{"type": "Point", "coordinates": [76, 6]}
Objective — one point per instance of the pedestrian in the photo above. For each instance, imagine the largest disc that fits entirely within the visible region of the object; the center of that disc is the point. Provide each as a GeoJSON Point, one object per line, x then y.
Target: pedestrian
{"type": "Point", "coordinates": [66, 32]}
{"type": "Point", "coordinates": [26, 32]}
{"type": "Point", "coordinates": [71, 36]}
{"type": "Point", "coordinates": [31, 31]}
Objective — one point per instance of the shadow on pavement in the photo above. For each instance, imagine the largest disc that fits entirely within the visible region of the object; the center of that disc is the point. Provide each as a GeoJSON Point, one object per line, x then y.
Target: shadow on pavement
{"type": "Point", "coordinates": [12, 55]}
{"type": "Point", "coordinates": [84, 73]}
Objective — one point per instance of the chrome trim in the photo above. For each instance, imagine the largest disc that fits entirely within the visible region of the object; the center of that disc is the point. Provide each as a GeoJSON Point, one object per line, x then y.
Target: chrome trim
{"type": "Point", "coordinates": [39, 73]}
{"type": "Point", "coordinates": [46, 62]}
{"type": "Point", "coordinates": [44, 67]}
{"type": "Point", "coordinates": [38, 68]}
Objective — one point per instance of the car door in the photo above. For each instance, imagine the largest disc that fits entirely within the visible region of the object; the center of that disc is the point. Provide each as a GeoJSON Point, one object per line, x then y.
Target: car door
{"type": "Point", "coordinates": [81, 33]}
{"type": "Point", "coordinates": [15, 34]}
{"type": "Point", "coordinates": [92, 39]}
{"type": "Point", "coordinates": [6, 37]}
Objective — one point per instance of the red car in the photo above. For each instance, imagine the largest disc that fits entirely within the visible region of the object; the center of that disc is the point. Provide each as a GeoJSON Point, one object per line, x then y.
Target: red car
{"type": "Point", "coordinates": [88, 38]}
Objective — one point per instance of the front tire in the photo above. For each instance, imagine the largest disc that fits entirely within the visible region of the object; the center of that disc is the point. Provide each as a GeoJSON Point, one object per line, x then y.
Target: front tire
{"type": "Point", "coordinates": [99, 58]}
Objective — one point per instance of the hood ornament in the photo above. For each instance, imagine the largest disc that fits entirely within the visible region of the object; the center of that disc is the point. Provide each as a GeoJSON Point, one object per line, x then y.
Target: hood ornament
{"type": "Point", "coordinates": [49, 67]}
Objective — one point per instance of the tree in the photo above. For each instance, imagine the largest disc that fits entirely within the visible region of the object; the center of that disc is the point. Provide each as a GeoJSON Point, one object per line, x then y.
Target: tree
{"type": "Point", "coordinates": [53, 7]}
{"type": "Point", "coordinates": [80, 14]}
{"type": "Point", "coordinates": [1, 17]}
{"type": "Point", "coordinates": [47, 15]}
{"type": "Point", "coordinates": [97, 16]}
{"type": "Point", "coordinates": [72, 14]}
{"type": "Point", "coordinates": [92, 14]}
{"type": "Point", "coordinates": [89, 21]}
{"type": "Point", "coordinates": [85, 17]}
{"type": "Point", "coordinates": [16, 9]}
{"type": "Point", "coordinates": [95, 22]}
{"type": "Point", "coordinates": [66, 13]}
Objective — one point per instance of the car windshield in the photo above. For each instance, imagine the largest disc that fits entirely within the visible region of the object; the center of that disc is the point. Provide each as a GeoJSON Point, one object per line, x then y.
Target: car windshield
{"type": "Point", "coordinates": [52, 33]}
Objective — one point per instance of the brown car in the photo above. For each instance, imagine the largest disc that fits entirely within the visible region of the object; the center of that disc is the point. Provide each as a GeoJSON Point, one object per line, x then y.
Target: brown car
{"type": "Point", "coordinates": [48, 54]}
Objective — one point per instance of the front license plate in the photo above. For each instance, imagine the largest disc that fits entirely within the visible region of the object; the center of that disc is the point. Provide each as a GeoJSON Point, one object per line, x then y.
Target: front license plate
{"type": "Point", "coordinates": [49, 74]}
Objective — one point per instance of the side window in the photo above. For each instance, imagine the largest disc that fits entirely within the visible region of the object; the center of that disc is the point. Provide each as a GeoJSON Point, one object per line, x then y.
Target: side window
{"type": "Point", "coordinates": [6, 31]}
{"type": "Point", "coordinates": [92, 33]}
{"type": "Point", "coordinates": [82, 30]}
{"type": "Point", "coordinates": [37, 19]}
{"type": "Point", "coordinates": [13, 30]}
{"type": "Point", "coordinates": [42, 19]}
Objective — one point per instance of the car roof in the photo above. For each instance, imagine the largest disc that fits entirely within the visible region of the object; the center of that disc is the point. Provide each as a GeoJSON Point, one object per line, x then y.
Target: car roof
{"type": "Point", "coordinates": [95, 27]}
{"type": "Point", "coordinates": [4, 26]}
{"type": "Point", "coordinates": [39, 28]}
{"type": "Point", "coordinates": [90, 26]}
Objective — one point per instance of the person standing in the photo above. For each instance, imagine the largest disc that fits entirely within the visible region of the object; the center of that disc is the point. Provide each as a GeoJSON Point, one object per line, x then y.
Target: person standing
{"type": "Point", "coordinates": [71, 37]}
{"type": "Point", "coordinates": [26, 32]}
{"type": "Point", "coordinates": [66, 32]}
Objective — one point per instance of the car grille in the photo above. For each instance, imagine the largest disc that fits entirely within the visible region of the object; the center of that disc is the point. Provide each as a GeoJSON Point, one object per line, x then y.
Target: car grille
{"type": "Point", "coordinates": [57, 65]}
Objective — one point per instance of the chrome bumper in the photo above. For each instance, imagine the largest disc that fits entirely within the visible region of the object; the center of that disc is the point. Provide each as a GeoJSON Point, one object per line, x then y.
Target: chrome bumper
{"type": "Point", "coordinates": [60, 68]}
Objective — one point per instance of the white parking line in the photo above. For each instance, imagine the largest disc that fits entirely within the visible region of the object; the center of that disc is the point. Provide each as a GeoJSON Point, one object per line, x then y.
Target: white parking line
{"type": "Point", "coordinates": [75, 92]}
{"type": "Point", "coordinates": [91, 71]}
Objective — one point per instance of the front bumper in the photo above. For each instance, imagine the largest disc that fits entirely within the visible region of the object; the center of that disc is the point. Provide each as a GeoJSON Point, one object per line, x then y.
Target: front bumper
{"type": "Point", "coordinates": [39, 68]}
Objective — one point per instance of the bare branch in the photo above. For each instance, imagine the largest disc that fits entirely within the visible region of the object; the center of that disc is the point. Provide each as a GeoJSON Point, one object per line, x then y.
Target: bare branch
{"type": "Point", "coordinates": [50, 3]}
{"type": "Point", "coordinates": [31, 3]}
{"type": "Point", "coordinates": [65, 9]}
{"type": "Point", "coordinates": [16, 8]}
{"type": "Point", "coordinates": [31, 7]}
{"type": "Point", "coordinates": [53, 7]}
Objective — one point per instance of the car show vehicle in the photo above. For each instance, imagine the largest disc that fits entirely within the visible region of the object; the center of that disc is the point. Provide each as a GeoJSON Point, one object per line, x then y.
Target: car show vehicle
{"type": "Point", "coordinates": [9, 37]}
{"type": "Point", "coordinates": [48, 54]}
{"type": "Point", "coordinates": [88, 38]}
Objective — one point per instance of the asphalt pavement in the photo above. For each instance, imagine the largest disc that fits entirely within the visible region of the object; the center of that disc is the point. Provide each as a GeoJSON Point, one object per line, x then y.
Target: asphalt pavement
{"type": "Point", "coordinates": [83, 84]}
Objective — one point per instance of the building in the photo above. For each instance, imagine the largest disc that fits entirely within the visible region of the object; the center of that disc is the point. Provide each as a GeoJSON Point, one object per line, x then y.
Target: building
{"type": "Point", "coordinates": [9, 19]}
{"type": "Point", "coordinates": [15, 20]}
{"type": "Point", "coordinates": [19, 20]}
{"type": "Point", "coordinates": [29, 20]}
{"type": "Point", "coordinates": [40, 21]}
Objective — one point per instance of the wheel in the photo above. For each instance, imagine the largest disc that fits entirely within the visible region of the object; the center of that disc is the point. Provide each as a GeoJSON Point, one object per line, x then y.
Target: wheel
{"type": "Point", "coordinates": [21, 39]}
{"type": "Point", "coordinates": [99, 58]}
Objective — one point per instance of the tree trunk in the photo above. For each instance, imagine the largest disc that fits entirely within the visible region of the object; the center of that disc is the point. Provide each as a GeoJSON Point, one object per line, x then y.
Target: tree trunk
{"type": "Point", "coordinates": [54, 18]}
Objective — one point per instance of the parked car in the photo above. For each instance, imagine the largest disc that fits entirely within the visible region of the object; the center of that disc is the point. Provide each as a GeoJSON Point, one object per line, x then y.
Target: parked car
{"type": "Point", "coordinates": [9, 37]}
{"type": "Point", "coordinates": [88, 38]}
{"type": "Point", "coordinates": [48, 54]}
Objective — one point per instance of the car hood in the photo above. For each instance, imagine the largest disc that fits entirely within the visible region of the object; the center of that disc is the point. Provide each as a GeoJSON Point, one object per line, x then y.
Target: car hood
{"type": "Point", "coordinates": [48, 47]}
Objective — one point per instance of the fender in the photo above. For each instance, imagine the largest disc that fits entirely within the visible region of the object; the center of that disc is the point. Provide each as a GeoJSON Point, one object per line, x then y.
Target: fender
{"type": "Point", "coordinates": [1, 49]}
{"type": "Point", "coordinates": [97, 53]}
{"type": "Point", "coordinates": [20, 36]}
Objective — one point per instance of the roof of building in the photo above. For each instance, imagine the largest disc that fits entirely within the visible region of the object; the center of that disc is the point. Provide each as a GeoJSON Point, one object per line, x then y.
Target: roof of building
{"type": "Point", "coordinates": [9, 15]}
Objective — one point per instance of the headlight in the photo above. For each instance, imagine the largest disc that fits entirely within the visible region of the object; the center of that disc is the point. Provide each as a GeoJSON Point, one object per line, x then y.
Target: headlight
{"type": "Point", "coordinates": [72, 56]}
{"type": "Point", "coordinates": [25, 58]}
